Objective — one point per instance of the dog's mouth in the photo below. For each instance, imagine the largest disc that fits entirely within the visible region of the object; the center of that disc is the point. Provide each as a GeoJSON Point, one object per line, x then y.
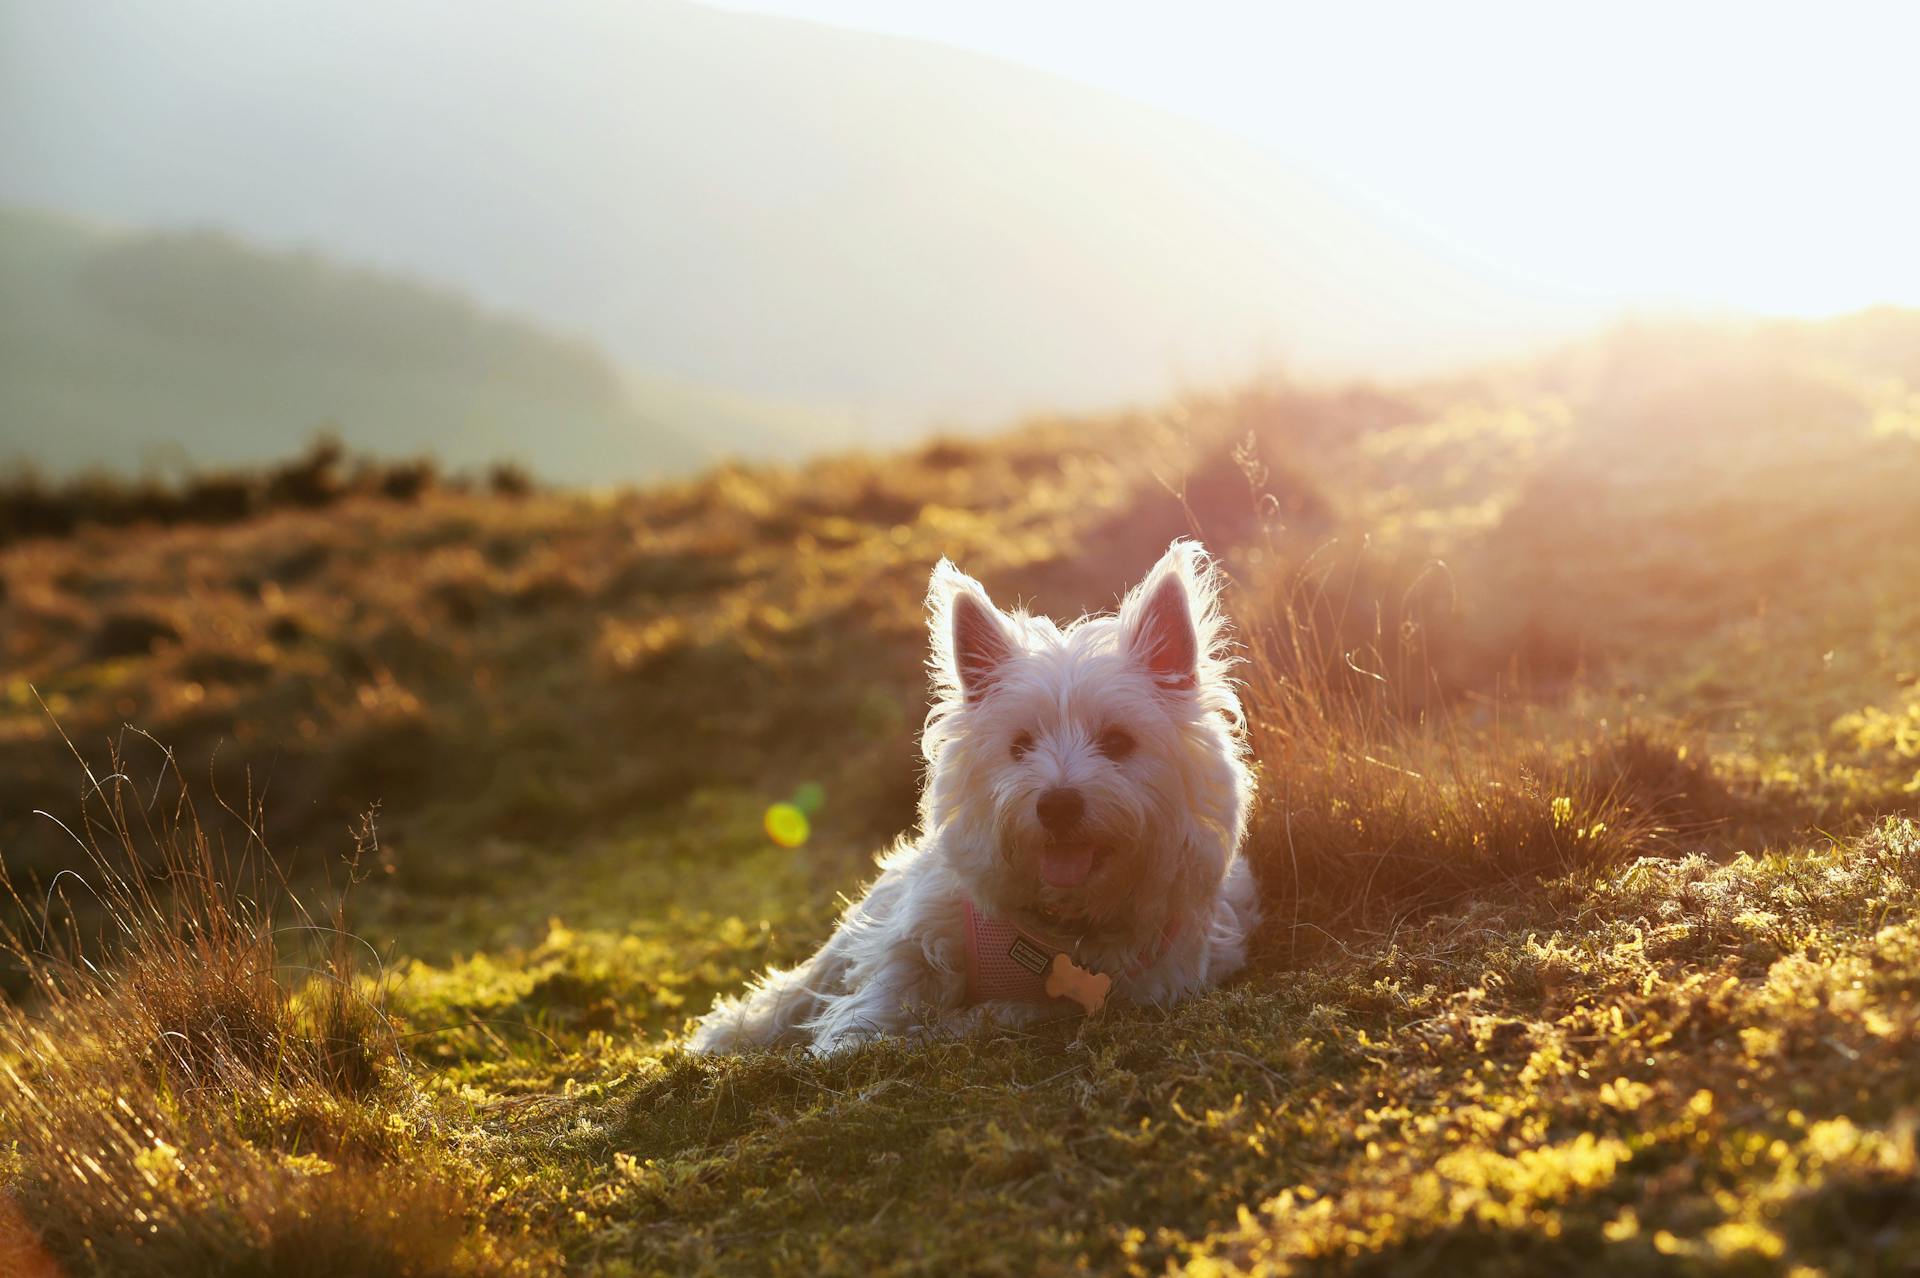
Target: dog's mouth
{"type": "Point", "coordinates": [1068, 865]}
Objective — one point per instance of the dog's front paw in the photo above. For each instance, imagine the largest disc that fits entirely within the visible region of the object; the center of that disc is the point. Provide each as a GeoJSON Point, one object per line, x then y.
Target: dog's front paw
{"type": "Point", "coordinates": [838, 1042]}
{"type": "Point", "coordinates": [713, 1036]}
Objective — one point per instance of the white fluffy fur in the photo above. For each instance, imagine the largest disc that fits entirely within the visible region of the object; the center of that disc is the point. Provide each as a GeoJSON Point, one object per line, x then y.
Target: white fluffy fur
{"type": "Point", "coordinates": [1169, 817]}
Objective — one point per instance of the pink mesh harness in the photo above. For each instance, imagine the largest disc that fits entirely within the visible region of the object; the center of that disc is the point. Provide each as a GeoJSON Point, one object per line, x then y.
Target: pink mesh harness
{"type": "Point", "coordinates": [1004, 962]}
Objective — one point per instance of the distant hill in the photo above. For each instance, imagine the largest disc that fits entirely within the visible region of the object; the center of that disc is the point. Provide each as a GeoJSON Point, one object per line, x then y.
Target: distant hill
{"type": "Point", "coordinates": [129, 349]}
{"type": "Point", "coordinates": [903, 231]}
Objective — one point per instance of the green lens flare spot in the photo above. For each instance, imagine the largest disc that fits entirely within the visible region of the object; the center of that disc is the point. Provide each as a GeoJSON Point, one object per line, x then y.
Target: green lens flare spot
{"type": "Point", "coordinates": [808, 796]}
{"type": "Point", "coordinates": [786, 825]}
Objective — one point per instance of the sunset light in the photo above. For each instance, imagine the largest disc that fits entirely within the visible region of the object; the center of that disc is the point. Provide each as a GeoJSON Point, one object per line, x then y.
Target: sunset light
{"type": "Point", "coordinates": [818, 638]}
{"type": "Point", "coordinates": [1716, 156]}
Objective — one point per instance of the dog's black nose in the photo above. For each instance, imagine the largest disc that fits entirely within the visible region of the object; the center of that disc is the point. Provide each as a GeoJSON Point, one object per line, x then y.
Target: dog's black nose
{"type": "Point", "coordinates": [1060, 810]}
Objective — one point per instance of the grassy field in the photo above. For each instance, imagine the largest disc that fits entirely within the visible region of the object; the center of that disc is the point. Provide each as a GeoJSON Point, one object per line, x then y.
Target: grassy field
{"type": "Point", "coordinates": [1585, 699]}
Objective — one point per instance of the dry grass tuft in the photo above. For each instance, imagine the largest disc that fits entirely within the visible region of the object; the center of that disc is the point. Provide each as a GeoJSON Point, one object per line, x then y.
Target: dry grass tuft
{"type": "Point", "coordinates": [180, 1098]}
{"type": "Point", "coordinates": [1383, 798]}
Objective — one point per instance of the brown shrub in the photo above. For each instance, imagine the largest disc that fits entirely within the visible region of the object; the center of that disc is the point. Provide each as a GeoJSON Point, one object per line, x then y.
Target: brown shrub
{"type": "Point", "coordinates": [313, 479]}
{"type": "Point", "coordinates": [408, 480]}
{"type": "Point", "coordinates": [130, 634]}
{"type": "Point", "coordinates": [509, 479]}
{"type": "Point", "coordinates": [218, 666]}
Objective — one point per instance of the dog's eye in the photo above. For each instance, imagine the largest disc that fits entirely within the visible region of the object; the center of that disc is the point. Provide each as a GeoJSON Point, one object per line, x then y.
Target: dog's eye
{"type": "Point", "coordinates": [1021, 744]}
{"type": "Point", "coordinates": [1115, 743]}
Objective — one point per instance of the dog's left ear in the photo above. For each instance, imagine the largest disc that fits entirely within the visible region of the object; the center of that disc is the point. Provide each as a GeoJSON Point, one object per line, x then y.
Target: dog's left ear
{"type": "Point", "coordinates": [969, 637]}
{"type": "Point", "coordinates": [1170, 618]}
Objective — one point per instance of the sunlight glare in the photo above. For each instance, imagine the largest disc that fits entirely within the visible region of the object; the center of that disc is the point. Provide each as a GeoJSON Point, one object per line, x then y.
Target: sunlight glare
{"type": "Point", "coordinates": [1707, 157]}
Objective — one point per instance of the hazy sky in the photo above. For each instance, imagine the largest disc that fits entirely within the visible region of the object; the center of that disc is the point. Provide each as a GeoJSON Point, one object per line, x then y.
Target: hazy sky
{"type": "Point", "coordinates": [1752, 156]}
{"type": "Point", "coordinates": [880, 214]}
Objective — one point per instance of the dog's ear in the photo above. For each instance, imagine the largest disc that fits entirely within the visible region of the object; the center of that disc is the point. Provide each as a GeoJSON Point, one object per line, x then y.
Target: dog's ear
{"type": "Point", "coordinates": [1171, 620]}
{"type": "Point", "coordinates": [970, 638]}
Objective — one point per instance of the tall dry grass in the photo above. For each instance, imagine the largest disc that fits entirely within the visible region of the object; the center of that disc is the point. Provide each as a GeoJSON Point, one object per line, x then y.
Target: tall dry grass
{"type": "Point", "coordinates": [182, 1093]}
{"type": "Point", "coordinates": [1386, 792]}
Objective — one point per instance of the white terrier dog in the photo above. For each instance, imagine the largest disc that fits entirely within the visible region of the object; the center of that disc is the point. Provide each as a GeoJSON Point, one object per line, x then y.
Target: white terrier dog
{"type": "Point", "coordinates": [1086, 794]}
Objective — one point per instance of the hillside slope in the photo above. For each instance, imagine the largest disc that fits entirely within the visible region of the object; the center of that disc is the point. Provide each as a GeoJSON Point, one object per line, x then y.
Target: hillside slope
{"type": "Point", "coordinates": [1584, 698]}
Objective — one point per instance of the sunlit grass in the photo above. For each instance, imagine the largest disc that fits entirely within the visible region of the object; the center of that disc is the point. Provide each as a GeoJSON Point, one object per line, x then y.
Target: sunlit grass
{"type": "Point", "coordinates": [1584, 746]}
{"type": "Point", "coordinates": [180, 1097]}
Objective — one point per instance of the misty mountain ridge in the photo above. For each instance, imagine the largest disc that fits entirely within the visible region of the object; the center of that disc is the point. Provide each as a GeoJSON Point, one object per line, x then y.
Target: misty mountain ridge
{"type": "Point", "coordinates": [139, 348]}
{"type": "Point", "coordinates": [897, 232]}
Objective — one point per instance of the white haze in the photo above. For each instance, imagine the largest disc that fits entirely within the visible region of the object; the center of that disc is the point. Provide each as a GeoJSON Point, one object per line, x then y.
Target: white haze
{"type": "Point", "coordinates": [901, 232]}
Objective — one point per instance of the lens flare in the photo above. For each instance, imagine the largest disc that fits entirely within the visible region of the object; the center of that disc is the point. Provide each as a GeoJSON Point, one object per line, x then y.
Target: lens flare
{"type": "Point", "coordinates": [786, 825]}
{"type": "Point", "coordinates": [808, 796]}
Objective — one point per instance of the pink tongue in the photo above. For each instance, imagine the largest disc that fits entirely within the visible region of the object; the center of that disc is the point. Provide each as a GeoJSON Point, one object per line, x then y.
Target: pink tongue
{"type": "Point", "coordinates": [1065, 867]}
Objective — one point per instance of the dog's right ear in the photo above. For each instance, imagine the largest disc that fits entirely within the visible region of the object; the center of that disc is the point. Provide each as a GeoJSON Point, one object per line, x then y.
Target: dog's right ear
{"type": "Point", "coordinates": [970, 638]}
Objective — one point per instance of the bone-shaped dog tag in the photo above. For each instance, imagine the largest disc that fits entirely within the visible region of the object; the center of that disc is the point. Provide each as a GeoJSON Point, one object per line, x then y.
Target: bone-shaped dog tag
{"type": "Point", "coordinates": [1066, 979]}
